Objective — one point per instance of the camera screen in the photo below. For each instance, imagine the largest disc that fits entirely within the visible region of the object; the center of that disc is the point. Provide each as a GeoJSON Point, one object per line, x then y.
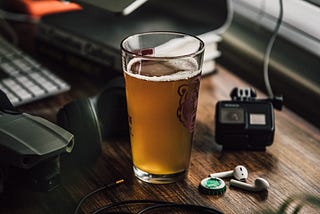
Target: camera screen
{"type": "Point", "coordinates": [257, 119]}
{"type": "Point", "coordinates": [232, 115]}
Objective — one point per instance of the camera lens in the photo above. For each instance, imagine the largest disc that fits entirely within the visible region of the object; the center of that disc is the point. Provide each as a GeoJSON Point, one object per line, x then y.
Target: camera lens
{"type": "Point", "coordinates": [232, 115]}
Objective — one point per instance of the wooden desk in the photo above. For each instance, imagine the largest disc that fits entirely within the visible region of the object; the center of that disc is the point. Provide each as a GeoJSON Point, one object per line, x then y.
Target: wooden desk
{"type": "Point", "coordinates": [291, 164]}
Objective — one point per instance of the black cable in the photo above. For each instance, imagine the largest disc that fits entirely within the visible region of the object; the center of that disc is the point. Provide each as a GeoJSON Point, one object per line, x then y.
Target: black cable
{"type": "Point", "coordinates": [116, 204]}
{"type": "Point", "coordinates": [159, 204]}
{"type": "Point", "coordinates": [96, 191]}
{"type": "Point", "coordinates": [200, 209]}
{"type": "Point", "coordinates": [266, 58]}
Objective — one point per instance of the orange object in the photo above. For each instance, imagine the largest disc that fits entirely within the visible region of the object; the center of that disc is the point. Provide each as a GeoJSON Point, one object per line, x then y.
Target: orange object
{"type": "Point", "coordinates": [38, 8]}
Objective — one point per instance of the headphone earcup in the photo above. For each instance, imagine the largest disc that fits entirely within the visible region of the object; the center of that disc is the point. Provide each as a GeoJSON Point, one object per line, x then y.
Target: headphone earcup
{"type": "Point", "coordinates": [111, 108]}
{"type": "Point", "coordinates": [79, 118]}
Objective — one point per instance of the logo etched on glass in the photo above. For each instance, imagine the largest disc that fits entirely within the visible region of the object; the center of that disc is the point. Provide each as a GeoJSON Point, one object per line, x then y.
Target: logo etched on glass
{"type": "Point", "coordinates": [188, 101]}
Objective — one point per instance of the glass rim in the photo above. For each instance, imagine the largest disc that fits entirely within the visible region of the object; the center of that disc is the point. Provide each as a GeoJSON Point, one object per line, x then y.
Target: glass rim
{"type": "Point", "coordinates": [195, 53]}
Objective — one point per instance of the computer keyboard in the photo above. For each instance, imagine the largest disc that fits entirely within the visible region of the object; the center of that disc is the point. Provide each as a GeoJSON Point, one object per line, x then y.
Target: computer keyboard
{"type": "Point", "coordinates": [23, 79]}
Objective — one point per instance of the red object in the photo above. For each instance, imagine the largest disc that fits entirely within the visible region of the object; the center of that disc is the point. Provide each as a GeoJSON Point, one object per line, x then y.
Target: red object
{"type": "Point", "coordinates": [38, 8]}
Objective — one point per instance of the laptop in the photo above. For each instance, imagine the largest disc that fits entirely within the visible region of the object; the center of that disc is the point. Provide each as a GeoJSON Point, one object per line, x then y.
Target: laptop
{"type": "Point", "coordinates": [94, 34]}
{"type": "Point", "coordinates": [123, 7]}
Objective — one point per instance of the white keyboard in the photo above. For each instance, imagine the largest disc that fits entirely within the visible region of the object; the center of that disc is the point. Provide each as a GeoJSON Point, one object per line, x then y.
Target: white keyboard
{"type": "Point", "coordinates": [23, 79]}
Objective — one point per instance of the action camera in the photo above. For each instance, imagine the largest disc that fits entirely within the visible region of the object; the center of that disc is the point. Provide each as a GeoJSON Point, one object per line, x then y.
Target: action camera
{"type": "Point", "coordinates": [245, 123]}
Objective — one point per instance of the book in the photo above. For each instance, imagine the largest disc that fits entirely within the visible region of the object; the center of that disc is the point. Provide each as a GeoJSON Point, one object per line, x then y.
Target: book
{"type": "Point", "coordinates": [89, 40]}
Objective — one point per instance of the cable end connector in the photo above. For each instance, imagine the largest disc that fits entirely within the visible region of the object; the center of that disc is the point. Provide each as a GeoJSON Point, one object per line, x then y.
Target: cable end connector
{"type": "Point", "coordinates": [115, 183]}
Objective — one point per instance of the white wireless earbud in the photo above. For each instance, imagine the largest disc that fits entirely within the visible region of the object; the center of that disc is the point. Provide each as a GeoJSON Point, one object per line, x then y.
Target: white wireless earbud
{"type": "Point", "coordinates": [260, 184]}
{"type": "Point", "coordinates": [239, 173]}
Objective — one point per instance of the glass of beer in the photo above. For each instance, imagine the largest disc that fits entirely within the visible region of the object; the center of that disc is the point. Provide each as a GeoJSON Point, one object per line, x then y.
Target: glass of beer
{"type": "Point", "coordinates": [162, 75]}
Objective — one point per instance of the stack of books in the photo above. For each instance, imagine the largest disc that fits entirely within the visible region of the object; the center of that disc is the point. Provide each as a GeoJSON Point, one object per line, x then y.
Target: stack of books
{"type": "Point", "coordinates": [90, 40]}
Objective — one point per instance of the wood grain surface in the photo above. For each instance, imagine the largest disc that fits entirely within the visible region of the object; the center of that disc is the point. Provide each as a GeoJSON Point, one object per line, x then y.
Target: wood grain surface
{"type": "Point", "coordinates": [291, 164]}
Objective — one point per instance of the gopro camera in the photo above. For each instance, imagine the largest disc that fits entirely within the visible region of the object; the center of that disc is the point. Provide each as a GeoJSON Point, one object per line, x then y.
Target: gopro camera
{"type": "Point", "coordinates": [245, 123]}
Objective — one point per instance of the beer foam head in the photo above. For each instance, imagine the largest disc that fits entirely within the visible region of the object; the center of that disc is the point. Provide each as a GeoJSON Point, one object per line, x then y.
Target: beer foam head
{"type": "Point", "coordinates": [162, 70]}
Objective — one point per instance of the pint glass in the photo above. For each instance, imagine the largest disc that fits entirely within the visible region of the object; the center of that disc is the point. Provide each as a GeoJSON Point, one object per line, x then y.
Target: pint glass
{"type": "Point", "coordinates": [162, 75]}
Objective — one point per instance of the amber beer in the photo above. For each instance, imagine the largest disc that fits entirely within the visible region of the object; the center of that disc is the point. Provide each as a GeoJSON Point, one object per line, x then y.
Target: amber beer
{"type": "Point", "coordinates": [162, 102]}
{"type": "Point", "coordinates": [162, 74]}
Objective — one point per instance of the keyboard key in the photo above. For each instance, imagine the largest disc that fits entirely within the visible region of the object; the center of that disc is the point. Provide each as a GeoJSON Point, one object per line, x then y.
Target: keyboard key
{"type": "Point", "coordinates": [36, 90]}
{"type": "Point", "coordinates": [22, 65]}
{"type": "Point", "coordinates": [23, 94]}
{"type": "Point", "coordinates": [9, 82]}
{"type": "Point", "coordinates": [12, 98]}
{"type": "Point", "coordinates": [10, 69]}
{"type": "Point", "coordinates": [31, 61]}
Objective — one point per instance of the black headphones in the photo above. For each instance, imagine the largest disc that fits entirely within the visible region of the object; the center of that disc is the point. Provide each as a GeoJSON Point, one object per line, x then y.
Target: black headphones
{"type": "Point", "coordinates": [92, 119]}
